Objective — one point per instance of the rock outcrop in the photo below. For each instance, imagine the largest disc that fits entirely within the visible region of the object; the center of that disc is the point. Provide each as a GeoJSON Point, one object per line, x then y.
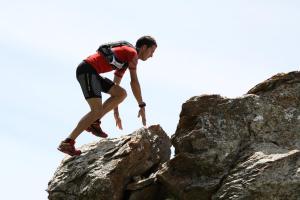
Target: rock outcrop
{"type": "Point", "coordinates": [242, 148]}
{"type": "Point", "coordinates": [105, 168]}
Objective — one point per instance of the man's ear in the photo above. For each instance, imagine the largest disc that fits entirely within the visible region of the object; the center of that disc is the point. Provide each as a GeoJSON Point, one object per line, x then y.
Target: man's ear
{"type": "Point", "coordinates": [144, 47]}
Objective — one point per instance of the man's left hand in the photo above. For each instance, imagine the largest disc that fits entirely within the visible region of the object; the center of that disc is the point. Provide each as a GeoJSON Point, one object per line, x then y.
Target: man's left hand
{"type": "Point", "coordinates": [142, 113]}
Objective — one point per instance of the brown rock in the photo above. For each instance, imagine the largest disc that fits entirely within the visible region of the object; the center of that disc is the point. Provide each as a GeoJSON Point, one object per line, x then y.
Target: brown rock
{"type": "Point", "coordinates": [106, 167]}
{"type": "Point", "coordinates": [220, 141]}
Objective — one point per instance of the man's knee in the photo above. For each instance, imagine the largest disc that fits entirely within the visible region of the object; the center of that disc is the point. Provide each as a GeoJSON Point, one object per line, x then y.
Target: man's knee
{"type": "Point", "coordinates": [123, 93]}
{"type": "Point", "coordinates": [118, 92]}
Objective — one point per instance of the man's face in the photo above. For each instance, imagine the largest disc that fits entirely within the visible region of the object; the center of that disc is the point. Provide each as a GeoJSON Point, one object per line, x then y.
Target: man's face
{"type": "Point", "coordinates": [147, 52]}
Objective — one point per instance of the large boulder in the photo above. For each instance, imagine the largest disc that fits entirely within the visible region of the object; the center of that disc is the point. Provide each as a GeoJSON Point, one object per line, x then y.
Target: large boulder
{"type": "Point", "coordinates": [263, 172]}
{"type": "Point", "coordinates": [106, 167]}
{"type": "Point", "coordinates": [241, 148]}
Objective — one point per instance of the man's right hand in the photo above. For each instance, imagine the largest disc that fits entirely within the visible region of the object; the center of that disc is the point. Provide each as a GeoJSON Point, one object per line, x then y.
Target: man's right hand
{"type": "Point", "coordinates": [118, 119]}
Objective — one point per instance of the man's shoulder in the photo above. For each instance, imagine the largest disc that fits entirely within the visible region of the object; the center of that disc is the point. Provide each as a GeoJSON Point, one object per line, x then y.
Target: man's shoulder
{"type": "Point", "coordinates": [127, 51]}
{"type": "Point", "coordinates": [128, 48]}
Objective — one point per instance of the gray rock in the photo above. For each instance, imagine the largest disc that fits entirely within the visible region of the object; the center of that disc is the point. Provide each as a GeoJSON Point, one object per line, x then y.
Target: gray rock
{"type": "Point", "coordinates": [263, 172]}
{"type": "Point", "coordinates": [106, 167]}
{"type": "Point", "coordinates": [242, 148]}
{"type": "Point", "coordinates": [142, 183]}
{"type": "Point", "coordinates": [223, 146]}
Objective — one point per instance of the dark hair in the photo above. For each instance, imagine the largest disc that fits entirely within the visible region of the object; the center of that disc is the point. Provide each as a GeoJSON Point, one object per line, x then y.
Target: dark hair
{"type": "Point", "coordinates": [145, 40]}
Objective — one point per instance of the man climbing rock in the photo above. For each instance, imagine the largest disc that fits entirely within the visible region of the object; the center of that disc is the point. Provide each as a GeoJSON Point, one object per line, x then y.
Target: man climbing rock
{"type": "Point", "coordinates": [116, 56]}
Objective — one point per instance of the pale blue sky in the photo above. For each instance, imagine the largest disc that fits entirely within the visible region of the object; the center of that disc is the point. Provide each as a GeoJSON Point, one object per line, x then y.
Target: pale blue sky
{"type": "Point", "coordinates": [204, 47]}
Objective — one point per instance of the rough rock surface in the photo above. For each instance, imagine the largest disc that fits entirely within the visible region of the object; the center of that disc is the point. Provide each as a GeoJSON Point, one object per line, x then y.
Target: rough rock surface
{"type": "Point", "coordinates": [242, 148]}
{"type": "Point", "coordinates": [246, 148]}
{"type": "Point", "coordinates": [106, 167]}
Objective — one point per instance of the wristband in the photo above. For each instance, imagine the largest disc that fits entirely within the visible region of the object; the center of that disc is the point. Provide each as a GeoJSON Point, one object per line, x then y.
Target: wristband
{"type": "Point", "coordinates": [142, 105]}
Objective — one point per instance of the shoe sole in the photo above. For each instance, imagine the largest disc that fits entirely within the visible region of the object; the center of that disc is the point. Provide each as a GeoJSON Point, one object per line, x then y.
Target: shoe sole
{"type": "Point", "coordinates": [67, 152]}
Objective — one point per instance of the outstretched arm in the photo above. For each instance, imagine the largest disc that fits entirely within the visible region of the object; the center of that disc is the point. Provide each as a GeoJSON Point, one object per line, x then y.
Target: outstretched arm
{"type": "Point", "coordinates": [117, 81]}
{"type": "Point", "coordinates": [136, 89]}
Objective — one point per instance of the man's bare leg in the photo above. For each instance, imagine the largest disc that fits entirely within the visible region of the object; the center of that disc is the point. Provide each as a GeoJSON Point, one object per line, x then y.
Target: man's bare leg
{"type": "Point", "coordinates": [118, 94]}
{"type": "Point", "coordinates": [98, 110]}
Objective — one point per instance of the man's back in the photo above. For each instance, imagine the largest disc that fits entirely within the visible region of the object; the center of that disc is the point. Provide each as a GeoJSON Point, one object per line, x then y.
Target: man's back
{"type": "Point", "coordinates": [123, 53]}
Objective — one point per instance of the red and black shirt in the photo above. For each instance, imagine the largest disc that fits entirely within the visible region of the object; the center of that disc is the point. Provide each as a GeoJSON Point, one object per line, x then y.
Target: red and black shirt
{"type": "Point", "coordinates": [123, 53]}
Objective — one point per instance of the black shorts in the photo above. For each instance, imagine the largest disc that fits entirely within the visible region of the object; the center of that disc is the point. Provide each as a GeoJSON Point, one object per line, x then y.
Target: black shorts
{"type": "Point", "coordinates": [92, 84]}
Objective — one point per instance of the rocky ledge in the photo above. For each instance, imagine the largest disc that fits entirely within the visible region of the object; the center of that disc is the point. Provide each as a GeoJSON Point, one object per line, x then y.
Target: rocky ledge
{"type": "Point", "coordinates": [106, 167]}
{"type": "Point", "coordinates": [241, 148]}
